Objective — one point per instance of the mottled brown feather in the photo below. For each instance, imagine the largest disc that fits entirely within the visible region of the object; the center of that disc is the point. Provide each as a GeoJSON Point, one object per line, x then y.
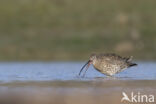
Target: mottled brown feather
{"type": "Point", "coordinates": [111, 63]}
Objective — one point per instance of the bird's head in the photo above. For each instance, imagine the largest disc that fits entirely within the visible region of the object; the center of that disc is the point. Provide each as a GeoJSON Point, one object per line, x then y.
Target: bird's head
{"type": "Point", "coordinates": [92, 57]}
{"type": "Point", "coordinates": [90, 61]}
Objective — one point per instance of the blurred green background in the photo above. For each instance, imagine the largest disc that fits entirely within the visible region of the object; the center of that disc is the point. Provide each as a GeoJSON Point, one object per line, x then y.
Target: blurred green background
{"type": "Point", "coordinates": [73, 29]}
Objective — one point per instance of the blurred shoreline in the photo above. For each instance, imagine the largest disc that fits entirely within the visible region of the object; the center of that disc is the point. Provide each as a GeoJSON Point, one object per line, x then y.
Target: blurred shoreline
{"type": "Point", "coordinates": [72, 30]}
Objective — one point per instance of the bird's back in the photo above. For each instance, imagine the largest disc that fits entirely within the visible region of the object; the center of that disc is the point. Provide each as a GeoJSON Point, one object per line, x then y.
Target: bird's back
{"type": "Point", "coordinates": [112, 58]}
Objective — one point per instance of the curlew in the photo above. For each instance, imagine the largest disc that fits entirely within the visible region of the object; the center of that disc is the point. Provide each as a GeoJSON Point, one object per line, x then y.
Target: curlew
{"type": "Point", "coordinates": [108, 64]}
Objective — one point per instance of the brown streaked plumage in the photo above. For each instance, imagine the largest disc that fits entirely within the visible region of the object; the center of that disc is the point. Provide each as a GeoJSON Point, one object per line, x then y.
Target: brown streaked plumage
{"type": "Point", "coordinates": [108, 64]}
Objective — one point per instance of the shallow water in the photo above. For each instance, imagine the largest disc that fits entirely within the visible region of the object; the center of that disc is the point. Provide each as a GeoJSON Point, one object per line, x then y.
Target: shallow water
{"type": "Point", "coordinates": [50, 71]}
{"type": "Point", "coordinates": [48, 82]}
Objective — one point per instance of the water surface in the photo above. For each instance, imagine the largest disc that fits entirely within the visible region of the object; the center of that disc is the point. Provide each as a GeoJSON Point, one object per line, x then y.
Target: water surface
{"type": "Point", "coordinates": [59, 83]}
{"type": "Point", "coordinates": [45, 71]}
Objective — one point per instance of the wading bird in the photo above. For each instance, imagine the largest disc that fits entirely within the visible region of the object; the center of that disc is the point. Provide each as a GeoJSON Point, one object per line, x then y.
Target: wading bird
{"type": "Point", "coordinates": [108, 64]}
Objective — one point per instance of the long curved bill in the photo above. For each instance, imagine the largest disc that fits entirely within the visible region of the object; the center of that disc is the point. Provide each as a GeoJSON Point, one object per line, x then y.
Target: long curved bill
{"type": "Point", "coordinates": [84, 67]}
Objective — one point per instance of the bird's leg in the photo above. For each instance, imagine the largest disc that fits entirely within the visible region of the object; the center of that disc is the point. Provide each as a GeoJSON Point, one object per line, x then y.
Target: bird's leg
{"type": "Point", "coordinates": [111, 77]}
{"type": "Point", "coordinates": [84, 73]}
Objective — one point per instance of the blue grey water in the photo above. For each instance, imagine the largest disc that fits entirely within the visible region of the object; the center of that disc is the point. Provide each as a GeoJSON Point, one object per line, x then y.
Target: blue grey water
{"type": "Point", "coordinates": [52, 71]}
{"type": "Point", "coordinates": [43, 82]}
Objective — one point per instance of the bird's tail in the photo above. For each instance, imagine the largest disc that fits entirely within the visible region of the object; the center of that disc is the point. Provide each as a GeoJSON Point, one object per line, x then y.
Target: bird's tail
{"type": "Point", "coordinates": [132, 64]}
